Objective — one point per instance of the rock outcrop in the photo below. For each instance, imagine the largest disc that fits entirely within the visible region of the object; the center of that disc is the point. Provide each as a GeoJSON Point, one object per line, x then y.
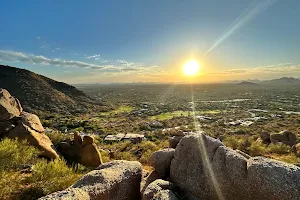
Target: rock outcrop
{"type": "Point", "coordinates": [201, 168]}
{"type": "Point", "coordinates": [204, 168]}
{"type": "Point", "coordinates": [285, 137]}
{"type": "Point", "coordinates": [68, 194]}
{"type": "Point", "coordinates": [15, 123]}
{"type": "Point", "coordinates": [265, 136]}
{"type": "Point", "coordinates": [174, 140]}
{"type": "Point", "coordinates": [80, 150]}
{"type": "Point", "coordinates": [119, 180]}
{"type": "Point", "coordinates": [296, 149]}
{"type": "Point", "coordinates": [9, 106]}
{"type": "Point", "coordinates": [160, 190]}
{"type": "Point", "coordinates": [161, 161]}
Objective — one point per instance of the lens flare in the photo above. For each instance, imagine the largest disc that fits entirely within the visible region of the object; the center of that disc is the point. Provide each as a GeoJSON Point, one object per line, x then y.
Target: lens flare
{"type": "Point", "coordinates": [257, 7]}
{"type": "Point", "coordinates": [191, 68]}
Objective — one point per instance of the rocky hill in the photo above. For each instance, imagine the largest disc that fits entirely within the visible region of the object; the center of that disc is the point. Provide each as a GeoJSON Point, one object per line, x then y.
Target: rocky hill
{"type": "Point", "coordinates": [283, 80]}
{"type": "Point", "coordinates": [37, 92]}
{"type": "Point", "coordinates": [247, 83]}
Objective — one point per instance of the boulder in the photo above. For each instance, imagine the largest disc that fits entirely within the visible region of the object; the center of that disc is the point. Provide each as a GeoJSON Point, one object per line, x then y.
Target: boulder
{"type": "Point", "coordinates": [161, 161]}
{"type": "Point", "coordinates": [177, 133]}
{"type": "Point", "coordinates": [118, 179]}
{"type": "Point", "coordinates": [5, 127]}
{"type": "Point", "coordinates": [9, 106]}
{"type": "Point", "coordinates": [160, 190]}
{"type": "Point", "coordinates": [286, 137]}
{"type": "Point", "coordinates": [149, 179]}
{"type": "Point", "coordinates": [296, 149]}
{"type": "Point", "coordinates": [269, 179]}
{"type": "Point", "coordinates": [174, 140]}
{"type": "Point", "coordinates": [80, 150]}
{"type": "Point", "coordinates": [205, 169]}
{"type": "Point", "coordinates": [68, 194]}
{"type": "Point", "coordinates": [90, 156]}
{"type": "Point", "coordinates": [265, 136]}
{"type": "Point", "coordinates": [32, 121]}
{"type": "Point", "coordinates": [39, 140]}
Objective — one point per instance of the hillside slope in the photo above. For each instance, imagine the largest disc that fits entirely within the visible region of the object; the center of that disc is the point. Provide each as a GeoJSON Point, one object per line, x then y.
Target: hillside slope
{"type": "Point", "coordinates": [37, 92]}
{"type": "Point", "coordinates": [283, 80]}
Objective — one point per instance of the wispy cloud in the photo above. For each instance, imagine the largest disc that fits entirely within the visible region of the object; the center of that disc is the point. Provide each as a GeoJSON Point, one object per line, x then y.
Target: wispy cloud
{"type": "Point", "coordinates": [95, 57]}
{"type": "Point", "coordinates": [114, 66]}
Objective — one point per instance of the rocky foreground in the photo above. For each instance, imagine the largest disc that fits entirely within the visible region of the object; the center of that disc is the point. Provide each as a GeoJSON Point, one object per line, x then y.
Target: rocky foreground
{"type": "Point", "coordinates": [197, 167]}
{"type": "Point", "coordinates": [200, 167]}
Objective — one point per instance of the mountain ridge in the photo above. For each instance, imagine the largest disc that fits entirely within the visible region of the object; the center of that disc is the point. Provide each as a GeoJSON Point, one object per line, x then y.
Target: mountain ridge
{"type": "Point", "coordinates": [41, 93]}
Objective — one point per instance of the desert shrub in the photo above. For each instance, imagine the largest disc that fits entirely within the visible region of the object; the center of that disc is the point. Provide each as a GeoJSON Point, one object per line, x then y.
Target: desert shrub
{"type": "Point", "coordinates": [288, 158]}
{"type": "Point", "coordinates": [10, 183]}
{"type": "Point", "coordinates": [236, 142]}
{"type": "Point", "coordinates": [257, 149]}
{"type": "Point", "coordinates": [31, 193]}
{"type": "Point", "coordinates": [147, 148]}
{"type": "Point", "coordinates": [124, 156]}
{"type": "Point", "coordinates": [279, 148]}
{"type": "Point", "coordinates": [15, 154]}
{"type": "Point", "coordinates": [53, 176]}
{"type": "Point", "coordinates": [57, 137]}
{"type": "Point", "coordinates": [232, 142]}
{"type": "Point", "coordinates": [105, 156]}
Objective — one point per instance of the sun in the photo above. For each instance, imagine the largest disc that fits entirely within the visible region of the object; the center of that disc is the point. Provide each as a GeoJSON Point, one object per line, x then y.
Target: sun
{"type": "Point", "coordinates": [191, 68]}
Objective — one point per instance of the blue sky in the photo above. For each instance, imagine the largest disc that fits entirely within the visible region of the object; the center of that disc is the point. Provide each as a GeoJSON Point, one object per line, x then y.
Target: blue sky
{"type": "Point", "coordinates": [132, 41]}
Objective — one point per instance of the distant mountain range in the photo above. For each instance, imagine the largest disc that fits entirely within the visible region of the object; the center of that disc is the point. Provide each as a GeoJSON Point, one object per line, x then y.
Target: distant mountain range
{"type": "Point", "coordinates": [37, 92]}
{"type": "Point", "coordinates": [247, 83]}
{"type": "Point", "coordinates": [281, 81]}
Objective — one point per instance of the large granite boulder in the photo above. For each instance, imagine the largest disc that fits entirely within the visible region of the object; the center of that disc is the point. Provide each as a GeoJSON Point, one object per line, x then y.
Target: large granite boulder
{"type": "Point", "coordinates": [296, 149]}
{"type": "Point", "coordinates": [22, 125]}
{"type": "Point", "coordinates": [265, 136]}
{"type": "Point", "coordinates": [285, 137]}
{"type": "Point", "coordinates": [149, 179]}
{"type": "Point", "coordinates": [9, 106]}
{"type": "Point", "coordinates": [68, 194]}
{"type": "Point", "coordinates": [205, 169]}
{"type": "Point", "coordinates": [21, 131]}
{"type": "Point", "coordinates": [161, 161]}
{"type": "Point", "coordinates": [159, 190]}
{"type": "Point", "coordinates": [174, 140]}
{"type": "Point", "coordinates": [81, 150]}
{"type": "Point", "coordinates": [118, 179]}
{"type": "Point", "coordinates": [32, 121]}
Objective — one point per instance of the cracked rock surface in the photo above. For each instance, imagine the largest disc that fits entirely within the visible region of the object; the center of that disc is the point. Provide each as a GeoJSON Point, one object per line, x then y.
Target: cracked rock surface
{"type": "Point", "coordinates": [204, 168]}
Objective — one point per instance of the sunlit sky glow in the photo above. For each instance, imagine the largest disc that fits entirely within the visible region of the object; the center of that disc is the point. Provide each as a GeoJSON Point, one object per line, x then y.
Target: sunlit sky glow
{"type": "Point", "coordinates": [150, 41]}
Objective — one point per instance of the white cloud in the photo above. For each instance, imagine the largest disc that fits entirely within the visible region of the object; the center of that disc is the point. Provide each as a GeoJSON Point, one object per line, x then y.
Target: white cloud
{"type": "Point", "coordinates": [113, 66]}
{"type": "Point", "coordinates": [93, 56]}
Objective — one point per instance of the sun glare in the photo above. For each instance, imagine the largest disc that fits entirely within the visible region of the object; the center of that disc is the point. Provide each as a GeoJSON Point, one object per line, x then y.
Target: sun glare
{"type": "Point", "coordinates": [191, 68]}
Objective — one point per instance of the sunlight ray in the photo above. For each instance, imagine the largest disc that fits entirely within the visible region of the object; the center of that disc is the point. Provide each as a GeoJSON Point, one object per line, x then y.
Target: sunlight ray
{"type": "Point", "coordinates": [257, 7]}
{"type": "Point", "coordinates": [163, 97]}
{"type": "Point", "coordinates": [203, 154]}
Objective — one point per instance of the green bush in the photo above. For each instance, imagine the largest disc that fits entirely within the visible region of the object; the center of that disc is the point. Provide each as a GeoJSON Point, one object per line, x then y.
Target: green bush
{"type": "Point", "coordinates": [53, 176]}
{"type": "Point", "coordinates": [43, 178]}
{"type": "Point", "coordinates": [10, 183]}
{"type": "Point", "coordinates": [15, 154]}
{"type": "Point", "coordinates": [279, 148]}
{"type": "Point", "coordinates": [257, 149]}
{"type": "Point", "coordinates": [289, 158]}
{"type": "Point", "coordinates": [57, 137]}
